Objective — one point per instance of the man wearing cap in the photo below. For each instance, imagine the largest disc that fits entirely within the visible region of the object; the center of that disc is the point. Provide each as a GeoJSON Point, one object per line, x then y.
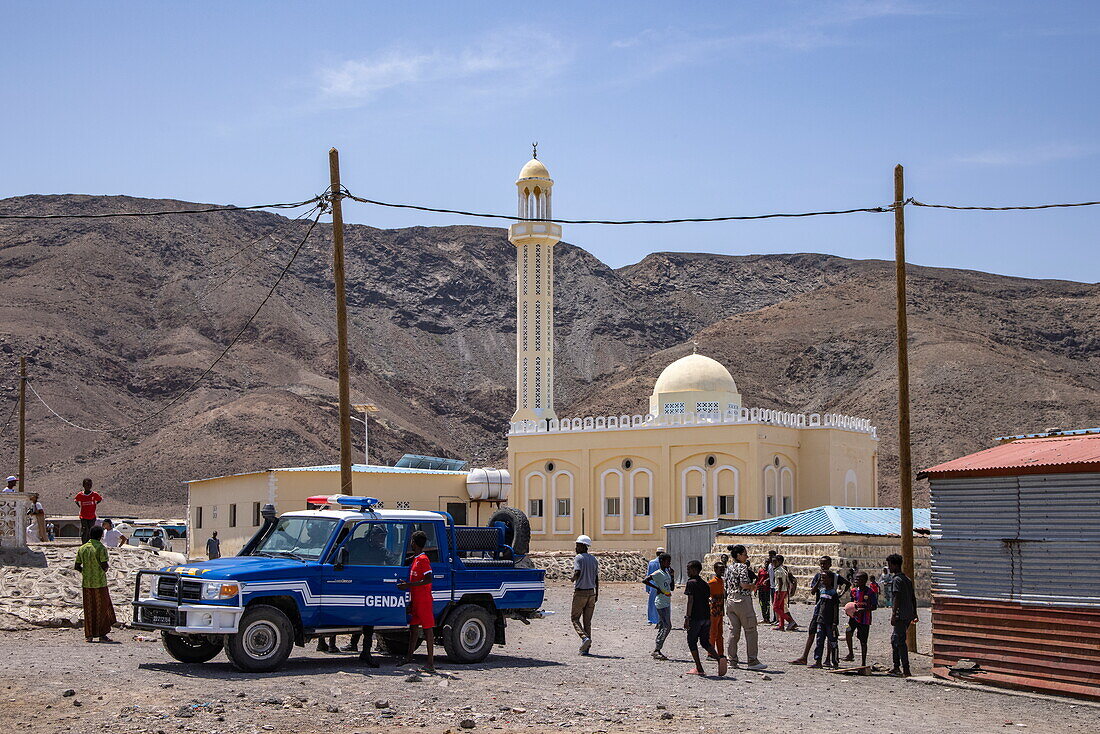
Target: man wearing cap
{"type": "Point", "coordinates": [586, 592]}
{"type": "Point", "coordinates": [653, 566]}
{"type": "Point", "coordinates": [12, 481]}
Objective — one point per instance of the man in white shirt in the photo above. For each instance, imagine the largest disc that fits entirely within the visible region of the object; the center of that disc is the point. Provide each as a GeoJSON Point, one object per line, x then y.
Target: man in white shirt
{"type": "Point", "coordinates": [112, 538]}
{"type": "Point", "coordinates": [36, 514]}
{"type": "Point", "coordinates": [11, 485]}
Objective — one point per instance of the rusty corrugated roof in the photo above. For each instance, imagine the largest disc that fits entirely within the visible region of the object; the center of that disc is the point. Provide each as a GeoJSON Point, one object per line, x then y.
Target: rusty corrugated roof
{"type": "Point", "coordinates": [1053, 455]}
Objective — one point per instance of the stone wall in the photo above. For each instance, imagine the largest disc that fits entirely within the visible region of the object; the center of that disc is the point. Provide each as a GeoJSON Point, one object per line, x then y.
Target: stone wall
{"type": "Point", "coordinates": [802, 558]}
{"type": "Point", "coordinates": [614, 565]}
{"type": "Point", "coordinates": [40, 587]}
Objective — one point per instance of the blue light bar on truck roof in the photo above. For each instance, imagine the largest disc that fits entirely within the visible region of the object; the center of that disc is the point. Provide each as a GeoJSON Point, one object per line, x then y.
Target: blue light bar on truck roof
{"type": "Point", "coordinates": [345, 500]}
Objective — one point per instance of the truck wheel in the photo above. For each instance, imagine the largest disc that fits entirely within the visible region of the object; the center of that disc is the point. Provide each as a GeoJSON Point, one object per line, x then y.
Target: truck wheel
{"type": "Point", "coordinates": [397, 643]}
{"type": "Point", "coordinates": [263, 641]}
{"type": "Point", "coordinates": [517, 528]}
{"type": "Point", "coordinates": [188, 649]}
{"type": "Point", "coordinates": [468, 634]}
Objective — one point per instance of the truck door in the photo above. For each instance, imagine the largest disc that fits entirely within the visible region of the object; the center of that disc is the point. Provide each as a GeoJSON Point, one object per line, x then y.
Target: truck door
{"type": "Point", "coordinates": [365, 590]}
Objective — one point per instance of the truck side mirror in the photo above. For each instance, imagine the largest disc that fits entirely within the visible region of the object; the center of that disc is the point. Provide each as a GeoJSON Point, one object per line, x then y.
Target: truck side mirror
{"type": "Point", "coordinates": [341, 558]}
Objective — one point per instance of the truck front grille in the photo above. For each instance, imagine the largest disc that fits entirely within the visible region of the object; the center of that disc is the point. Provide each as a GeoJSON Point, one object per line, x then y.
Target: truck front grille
{"type": "Point", "coordinates": [188, 590]}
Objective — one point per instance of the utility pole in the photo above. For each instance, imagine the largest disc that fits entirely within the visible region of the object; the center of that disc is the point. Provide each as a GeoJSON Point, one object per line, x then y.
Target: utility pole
{"type": "Point", "coordinates": [905, 459]}
{"type": "Point", "coordinates": [336, 193]}
{"type": "Point", "coordinates": [22, 424]}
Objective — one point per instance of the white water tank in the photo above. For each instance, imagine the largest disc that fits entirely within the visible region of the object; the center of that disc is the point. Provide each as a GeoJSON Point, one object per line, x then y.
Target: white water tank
{"type": "Point", "coordinates": [489, 484]}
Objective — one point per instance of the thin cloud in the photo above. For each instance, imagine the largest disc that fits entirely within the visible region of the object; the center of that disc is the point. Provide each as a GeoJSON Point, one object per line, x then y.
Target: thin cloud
{"type": "Point", "coordinates": [501, 59]}
{"type": "Point", "coordinates": [823, 28]}
{"type": "Point", "coordinates": [1034, 156]}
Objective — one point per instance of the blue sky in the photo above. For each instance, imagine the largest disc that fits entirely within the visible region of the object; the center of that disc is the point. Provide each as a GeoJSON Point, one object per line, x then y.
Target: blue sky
{"type": "Point", "coordinates": [640, 109]}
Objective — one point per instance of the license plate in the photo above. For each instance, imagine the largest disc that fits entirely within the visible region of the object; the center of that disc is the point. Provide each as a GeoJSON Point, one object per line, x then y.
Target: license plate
{"type": "Point", "coordinates": [159, 616]}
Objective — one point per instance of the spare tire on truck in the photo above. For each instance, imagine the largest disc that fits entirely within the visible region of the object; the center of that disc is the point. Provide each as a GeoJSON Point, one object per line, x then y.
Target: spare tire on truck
{"type": "Point", "coordinates": [517, 529]}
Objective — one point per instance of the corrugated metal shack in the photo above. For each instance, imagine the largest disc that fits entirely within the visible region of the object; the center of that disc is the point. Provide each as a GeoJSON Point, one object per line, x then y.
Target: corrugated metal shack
{"type": "Point", "coordinates": [1016, 565]}
{"type": "Point", "coordinates": [857, 538]}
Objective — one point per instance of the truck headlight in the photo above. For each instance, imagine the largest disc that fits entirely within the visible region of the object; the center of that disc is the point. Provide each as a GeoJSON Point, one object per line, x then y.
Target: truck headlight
{"type": "Point", "coordinates": [212, 590]}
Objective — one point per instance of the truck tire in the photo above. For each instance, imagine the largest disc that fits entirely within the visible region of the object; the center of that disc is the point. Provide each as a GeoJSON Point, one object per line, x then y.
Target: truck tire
{"type": "Point", "coordinates": [469, 633]}
{"type": "Point", "coordinates": [191, 649]}
{"type": "Point", "coordinates": [397, 643]}
{"type": "Point", "coordinates": [263, 641]}
{"type": "Point", "coordinates": [517, 529]}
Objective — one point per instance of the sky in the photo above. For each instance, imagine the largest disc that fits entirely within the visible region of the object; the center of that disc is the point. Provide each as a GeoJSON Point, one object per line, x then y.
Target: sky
{"type": "Point", "coordinates": [640, 109]}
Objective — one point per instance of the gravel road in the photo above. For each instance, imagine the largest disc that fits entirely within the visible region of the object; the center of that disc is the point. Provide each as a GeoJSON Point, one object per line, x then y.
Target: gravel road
{"type": "Point", "coordinates": [537, 683]}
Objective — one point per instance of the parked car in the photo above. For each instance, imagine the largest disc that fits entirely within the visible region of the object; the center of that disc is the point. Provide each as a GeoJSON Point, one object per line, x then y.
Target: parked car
{"type": "Point", "coordinates": [331, 571]}
{"type": "Point", "coordinates": [145, 536]}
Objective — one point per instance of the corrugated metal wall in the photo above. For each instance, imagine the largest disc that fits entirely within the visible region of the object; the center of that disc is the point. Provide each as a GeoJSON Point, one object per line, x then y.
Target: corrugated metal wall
{"type": "Point", "coordinates": [1031, 539]}
{"type": "Point", "coordinates": [1016, 580]}
{"type": "Point", "coordinates": [688, 542]}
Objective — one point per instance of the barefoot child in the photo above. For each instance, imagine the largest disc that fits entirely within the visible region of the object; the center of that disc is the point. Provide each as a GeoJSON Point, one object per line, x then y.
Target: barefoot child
{"type": "Point", "coordinates": [864, 601]}
{"type": "Point", "coordinates": [838, 583]}
{"type": "Point", "coordinates": [828, 601]}
{"type": "Point", "coordinates": [718, 609]}
{"type": "Point", "coordinates": [697, 621]}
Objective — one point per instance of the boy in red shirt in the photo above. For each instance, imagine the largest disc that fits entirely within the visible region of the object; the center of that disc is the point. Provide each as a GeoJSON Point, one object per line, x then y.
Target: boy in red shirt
{"type": "Point", "coordinates": [87, 499]}
{"type": "Point", "coordinates": [420, 599]}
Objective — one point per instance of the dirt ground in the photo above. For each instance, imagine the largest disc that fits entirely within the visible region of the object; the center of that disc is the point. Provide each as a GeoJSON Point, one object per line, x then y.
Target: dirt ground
{"type": "Point", "coordinates": [537, 683]}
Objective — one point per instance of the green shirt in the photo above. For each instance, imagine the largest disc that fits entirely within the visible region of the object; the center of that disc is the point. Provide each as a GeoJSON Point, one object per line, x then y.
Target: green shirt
{"type": "Point", "coordinates": [91, 556]}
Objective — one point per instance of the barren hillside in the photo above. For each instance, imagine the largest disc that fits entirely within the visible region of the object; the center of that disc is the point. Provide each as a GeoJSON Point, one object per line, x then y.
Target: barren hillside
{"type": "Point", "coordinates": [119, 316]}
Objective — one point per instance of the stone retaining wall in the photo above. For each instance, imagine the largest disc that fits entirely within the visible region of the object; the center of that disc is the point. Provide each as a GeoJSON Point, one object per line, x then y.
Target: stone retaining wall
{"type": "Point", "coordinates": [802, 559]}
{"type": "Point", "coordinates": [39, 586]}
{"type": "Point", "coordinates": [614, 565]}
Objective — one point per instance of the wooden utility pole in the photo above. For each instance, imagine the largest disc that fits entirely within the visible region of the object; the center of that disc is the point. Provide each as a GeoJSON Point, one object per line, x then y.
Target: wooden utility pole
{"type": "Point", "coordinates": [341, 320]}
{"type": "Point", "coordinates": [905, 459]}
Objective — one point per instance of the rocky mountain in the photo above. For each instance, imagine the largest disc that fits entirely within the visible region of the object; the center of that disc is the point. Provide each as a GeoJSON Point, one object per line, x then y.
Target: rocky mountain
{"type": "Point", "coordinates": [119, 316]}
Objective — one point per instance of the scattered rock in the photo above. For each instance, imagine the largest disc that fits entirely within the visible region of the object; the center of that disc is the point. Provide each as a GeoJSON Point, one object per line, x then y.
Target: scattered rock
{"type": "Point", "coordinates": [765, 677]}
{"type": "Point", "coordinates": [68, 692]}
{"type": "Point", "coordinates": [381, 704]}
{"type": "Point", "coordinates": [467, 723]}
{"type": "Point", "coordinates": [332, 709]}
{"type": "Point", "coordinates": [413, 678]}
{"type": "Point", "coordinates": [666, 715]}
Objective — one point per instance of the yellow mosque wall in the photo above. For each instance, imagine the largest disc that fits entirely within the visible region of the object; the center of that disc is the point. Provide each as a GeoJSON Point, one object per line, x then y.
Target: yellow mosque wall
{"type": "Point", "coordinates": [742, 470]}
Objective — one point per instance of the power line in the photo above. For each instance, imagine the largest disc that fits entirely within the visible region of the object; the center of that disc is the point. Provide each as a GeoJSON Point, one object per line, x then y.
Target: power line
{"type": "Point", "coordinates": [203, 296]}
{"type": "Point", "coordinates": [208, 210]}
{"type": "Point", "coordinates": [14, 407]}
{"type": "Point", "coordinates": [218, 263]}
{"type": "Point", "coordinates": [873, 210]}
{"type": "Point", "coordinates": [213, 364]}
{"type": "Point", "coordinates": [914, 202]}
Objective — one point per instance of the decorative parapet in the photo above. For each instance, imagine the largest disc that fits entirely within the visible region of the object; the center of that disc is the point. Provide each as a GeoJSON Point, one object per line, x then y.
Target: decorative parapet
{"type": "Point", "coordinates": [759, 416]}
{"type": "Point", "coordinates": [13, 519]}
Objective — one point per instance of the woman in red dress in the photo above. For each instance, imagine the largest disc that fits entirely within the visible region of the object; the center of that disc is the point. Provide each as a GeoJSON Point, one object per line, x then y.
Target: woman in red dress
{"type": "Point", "coordinates": [419, 586]}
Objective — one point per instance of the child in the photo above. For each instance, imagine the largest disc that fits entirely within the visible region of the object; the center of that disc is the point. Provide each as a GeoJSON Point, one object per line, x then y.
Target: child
{"type": "Point", "coordinates": [836, 582]}
{"type": "Point", "coordinates": [864, 601]}
{"type": "Point", "coordinates": [874, 586]}
{"type": "Point", "coordinates": [828, 600]}
{"type": "Point", "coordinates": [661, 580]}
{"type": "Point", "coordinates": [697, 621]}
{"type": "Point", "coordinates": [718, 609]}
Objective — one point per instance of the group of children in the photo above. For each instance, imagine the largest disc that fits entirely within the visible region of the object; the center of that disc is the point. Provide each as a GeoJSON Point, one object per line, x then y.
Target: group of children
{"type": "Point", "coordinates": [706, 607]}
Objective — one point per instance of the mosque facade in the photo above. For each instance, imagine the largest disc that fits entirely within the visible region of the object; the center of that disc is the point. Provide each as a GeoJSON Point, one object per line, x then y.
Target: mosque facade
{"type": "Point", "coordinates": [696, 453]}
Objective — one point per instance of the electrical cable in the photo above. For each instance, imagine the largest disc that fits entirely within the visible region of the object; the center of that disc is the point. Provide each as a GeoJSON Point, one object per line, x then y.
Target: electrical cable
{"type": "Point", "coordinates": [14, 407]}
{"type": "Point", "coordinates": [873, 210]}
{"type": "Point", "coordinates": [914, 202]}
{"type": "Point", "coordinates": [209, 210]}
{"type": "Point", "coordinates": [213, 364]}
{"type": "Point", "coordinates": [202, 296]}
{"type": "Point", "coordinates": [83, 297]}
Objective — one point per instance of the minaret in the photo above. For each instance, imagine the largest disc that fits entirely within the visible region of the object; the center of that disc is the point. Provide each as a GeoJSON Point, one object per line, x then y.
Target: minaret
{"type": "Point", "coordinates": [534, 238]}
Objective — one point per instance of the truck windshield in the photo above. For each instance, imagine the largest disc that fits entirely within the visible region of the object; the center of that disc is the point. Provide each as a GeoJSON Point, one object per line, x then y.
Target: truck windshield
{"type": "Point", "coordinates": [297, 537]}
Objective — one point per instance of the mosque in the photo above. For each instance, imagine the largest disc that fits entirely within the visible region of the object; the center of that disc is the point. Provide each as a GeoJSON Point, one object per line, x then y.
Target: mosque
{"type": "Point", "coordinates": [693, 453]}
{"type": "Point", "coordinates": [697, 452]}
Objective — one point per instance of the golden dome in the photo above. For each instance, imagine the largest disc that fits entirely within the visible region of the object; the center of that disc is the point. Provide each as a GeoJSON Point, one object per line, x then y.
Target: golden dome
{"type": "Point", "coordinates": [534, 169]}
{"type": "Point", "coordinates": [695, 373]}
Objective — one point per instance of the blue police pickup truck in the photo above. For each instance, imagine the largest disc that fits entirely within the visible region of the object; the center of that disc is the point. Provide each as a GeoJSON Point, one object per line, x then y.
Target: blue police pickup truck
{"type": "Point", "coordinates": [334, 570]}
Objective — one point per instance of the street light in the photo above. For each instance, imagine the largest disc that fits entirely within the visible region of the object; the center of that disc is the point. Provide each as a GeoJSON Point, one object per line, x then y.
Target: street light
{"type": "Point", "coordinates": [366, 409]}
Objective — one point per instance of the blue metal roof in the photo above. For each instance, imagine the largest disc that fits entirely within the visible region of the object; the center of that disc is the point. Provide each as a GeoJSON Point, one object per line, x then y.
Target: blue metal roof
{"type": "Point", "coordinates": [833, 520]}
